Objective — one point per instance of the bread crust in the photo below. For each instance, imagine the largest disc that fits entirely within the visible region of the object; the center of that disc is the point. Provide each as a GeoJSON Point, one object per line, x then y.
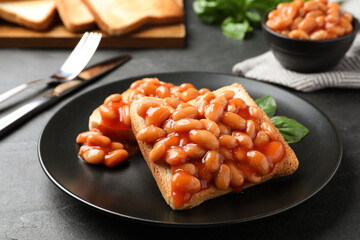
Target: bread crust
{"type": "Point", "coordinates": [117, 17]}
{"type": "Point", "coordinates": [162, 172]}
{"type": "Point", "coordinates": [75, 15]}
{"type": "Point", "coordinates": [36, 15]}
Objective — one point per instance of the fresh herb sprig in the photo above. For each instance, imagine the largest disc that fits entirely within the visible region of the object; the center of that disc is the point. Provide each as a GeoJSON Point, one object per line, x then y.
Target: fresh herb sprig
{"type": "Point", "coordinates": [237, 17]}
{"type": "Point", "coordinates": [291, 130]}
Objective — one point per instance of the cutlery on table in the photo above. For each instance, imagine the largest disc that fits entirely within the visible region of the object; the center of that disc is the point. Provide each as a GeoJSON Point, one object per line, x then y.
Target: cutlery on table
{"type": "Point", "coordinates": [36, 105]}
{"type": "Point", "coordinates": [73, 65]}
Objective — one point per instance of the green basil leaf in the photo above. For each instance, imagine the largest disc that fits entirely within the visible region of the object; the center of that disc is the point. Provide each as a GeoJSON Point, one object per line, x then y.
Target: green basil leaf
{"type": "Point", "coordinates": [236, 30]}
{"type": "Point", "coordinates": [291, 130]}
{"type": "Point", "coordinates": [267, 104]}
{"type": "Point", "coordinates": [253, 17]}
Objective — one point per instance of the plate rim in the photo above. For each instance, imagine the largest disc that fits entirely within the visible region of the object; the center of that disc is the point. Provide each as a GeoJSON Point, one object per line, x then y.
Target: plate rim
{"type": "Point", "coordinates": [182, 224]}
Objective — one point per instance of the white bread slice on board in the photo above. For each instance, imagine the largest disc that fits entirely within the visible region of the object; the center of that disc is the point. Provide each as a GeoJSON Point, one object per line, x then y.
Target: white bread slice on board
{"type": "Point", "coordinates": [162, 172]}
{"type": "Point", "coordinates": [117, 17]}
{"type": "Point", "coordinates": [75, 15]}
{"type": "Point", "coordinates": [37, 14]}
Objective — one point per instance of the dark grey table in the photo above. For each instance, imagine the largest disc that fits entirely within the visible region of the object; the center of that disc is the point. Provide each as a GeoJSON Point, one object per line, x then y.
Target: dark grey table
{"type": "Point", "coordinates": [32, 207]}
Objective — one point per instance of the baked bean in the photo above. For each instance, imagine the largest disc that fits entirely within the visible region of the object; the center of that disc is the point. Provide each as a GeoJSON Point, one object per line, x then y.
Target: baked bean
{"type": "Point", "coordinates": [107, 112]}
{"type": "Point", "coordinates": [175, 155]}
{"type": "Point", "coordinates": [221, 100]}
{"type": "Point", "coordinates": [170, 141]}
{"type": "Point", "coordinates": [214, 111]}
{"type": "Point", "coordinates": [202, 91]}
{"type": "Point", "coordinates": [269, 129]}
{"type": "Point", "coordinates": [162, 92]}
{"type": "Point", "coordinates": [236, 179]}
{"type": "Point", "coordinates": [194, 151]}
{"type": "Point", "coordinates": [223, 128]}
{"type": "Point", "coordinates": [295, 23]}
{"type": "Point", "coordinates": [211, 160]}
{"type": "Point", "coordinates": [184, 141]}
{"type": "Point", "coordinates": [256, 112]}
{"type": "Point", "coordinates": [211, 126]}
{"type": "Point", "coordinates": [208, 97]}
{"type": "Point", "coordinates": [348, 17]}
{"type": "Point", "coordinates": [113, 98]}
{"type": "Point", "coordinates": [185, 86]}
{"type": "Point", "coordinates": [135, 95]}
{"type": "Point", "coordinates": [126, 115]}
{"type": "Point", "coordinates": [149, 88]}
{"type": "Point", "coordinates": [82, 137]}
{"type": "Point", "coordinates": [311, 6]}
{"type": "Point", "coordinates": [187, 124]}
{"type": "Point", "coordinates": [274, 151]}
{"type": "Point", "coordinates": [116, 145]}
{"type": "Point", "coordinates": [240, 155]}
{"type": "Point", "coordinates": [157, 152]}
{"type": "Point", "coordinates": [115, 157]}
{"type": "Point", "coordinates": [307, 24]}
{"type": "Point", "coordinates": [168, 126]}
{"type": "Point", "coordinates": [202, 108]}
{"type": "Point", "coordinates": [250, 175]}
{"type": "Point", "coordinates": [299, 34]}
{"type": "Point", "coordinates": [259, 162]}
{"type": "Point", "coordinates": [346, 25]}
{"type": "Point", "coordinates": [142, 108]}
{"type": "Point", "coordinates": [184, 182]}
{"type": "Point", "coordinates": [335, 28]}
{"type": "Point", "coordinates": [227, 94]}
{"type": "Point", "coordinates": [93, 155]}
{"type": "Point", "coordinates": [228, 141]}
{"type": "Point", "coordinates": [333, 17]}
{"type": "Point", "coordinates": [314, 13]}
{"type": "Point", "coordinates": [226, 153]}
{"type": "Point", "coordinates": [250, 129]}
{"type": "Point", "coordinates": [319, 35]}
{"type": "Point", "coordinates": [150, 134]}
{"type": "Point", "coordinates": [243, 139]}
{"type": "Point", "coordinates": [183, 105]}
{"type": "Point", "coordinates": [156, 116]}
{"type": "Point", "coordinates": [261, 138]}
{"type": "Point", "coordinates": [189, 94]}
{"type": "Point", "coordinates": [98, 140]}
{"type": "Point", "coordinates": [204, 138]}
{"type": "Point", "coordinates": [233, 120]}
{"type": "Point", "coordinates": [187, 167]}
{"type": "Point", "coordinates": [223, 177]}
{"type": "Point", "coordinates": [204, 173]}
{"type": "Point", "coordinates": [320, 21]}
{"type": "Point", "coordinates": [187, 112]}
{"type": "Point", "coordinates": [173, 102]}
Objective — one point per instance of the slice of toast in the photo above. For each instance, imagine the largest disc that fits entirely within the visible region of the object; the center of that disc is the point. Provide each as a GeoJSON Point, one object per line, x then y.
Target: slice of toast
{"type": "Point", "coordinates": [117, 17]}
{"type": "Point", "coordinates": [162, 172]}
{"type": "Point", "coordinates": [75, 15]}
{"type": "Point", "coordinates": [37, 14]}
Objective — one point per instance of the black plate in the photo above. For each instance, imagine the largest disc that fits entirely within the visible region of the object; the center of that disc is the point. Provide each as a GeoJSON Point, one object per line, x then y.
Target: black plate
{"type": "Point", "coordinates": [130, 191]}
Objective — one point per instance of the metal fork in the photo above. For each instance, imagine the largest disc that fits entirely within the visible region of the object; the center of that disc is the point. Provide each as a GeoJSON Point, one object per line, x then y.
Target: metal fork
{"type": "Point", "coordinates": [73, 65]}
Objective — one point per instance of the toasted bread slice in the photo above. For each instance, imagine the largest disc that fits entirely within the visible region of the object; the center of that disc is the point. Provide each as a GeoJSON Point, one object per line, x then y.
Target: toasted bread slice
{"type": "Point", "coordinates": [37, 14]}
{"type": "Point", "coordinates": [117, 17]}
{"type": "Point", "coordinates": [75, 15]}
{"type": "Point", "coordinates": [162, 171]}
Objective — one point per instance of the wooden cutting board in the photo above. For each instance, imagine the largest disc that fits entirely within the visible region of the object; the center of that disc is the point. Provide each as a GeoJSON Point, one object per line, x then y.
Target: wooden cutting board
{"type": "Point", "coordinates": [155, 36]}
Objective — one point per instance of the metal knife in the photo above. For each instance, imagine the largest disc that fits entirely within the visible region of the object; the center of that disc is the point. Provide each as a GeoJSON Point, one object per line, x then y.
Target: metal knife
{"type": "Point", "coordinates": [54, 95]}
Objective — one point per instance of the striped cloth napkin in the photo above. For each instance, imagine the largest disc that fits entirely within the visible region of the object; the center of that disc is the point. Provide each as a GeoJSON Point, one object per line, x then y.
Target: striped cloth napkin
{"type": "Point", "coordinates": [346, 75]}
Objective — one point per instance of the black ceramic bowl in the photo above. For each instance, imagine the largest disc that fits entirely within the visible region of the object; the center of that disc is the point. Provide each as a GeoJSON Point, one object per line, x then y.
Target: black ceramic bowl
{"type": "Point", "coordinates": [308, 55]}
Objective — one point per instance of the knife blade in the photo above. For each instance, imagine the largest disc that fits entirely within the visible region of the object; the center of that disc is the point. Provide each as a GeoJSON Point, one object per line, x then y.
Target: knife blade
{"type": "Point", "coordinates": [57, 93]}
